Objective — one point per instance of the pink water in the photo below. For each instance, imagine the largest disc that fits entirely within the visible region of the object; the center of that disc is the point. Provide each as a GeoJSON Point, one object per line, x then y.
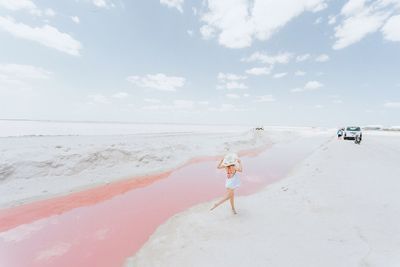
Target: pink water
{"type": "Point", "coordinates": [103, 226]}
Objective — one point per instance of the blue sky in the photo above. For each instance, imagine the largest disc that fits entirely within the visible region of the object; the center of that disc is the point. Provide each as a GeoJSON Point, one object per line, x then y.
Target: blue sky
{"type": "Point", "coordinates": [305, 62]}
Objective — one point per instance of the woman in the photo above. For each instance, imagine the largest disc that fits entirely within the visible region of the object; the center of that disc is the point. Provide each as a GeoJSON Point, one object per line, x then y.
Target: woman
{"type": "Point", "coordinates": [232, 179]}
{"type": "Point", "coordinates": [340, 133]}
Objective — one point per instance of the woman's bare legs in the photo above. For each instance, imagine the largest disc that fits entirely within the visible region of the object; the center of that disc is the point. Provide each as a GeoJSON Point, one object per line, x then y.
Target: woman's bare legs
{"type": "Point", "coordinates": [229, 195]}
{"type": "Point", "coordinates": [226, 197]}
{"type": "Point", "coordinates": [232, 200]}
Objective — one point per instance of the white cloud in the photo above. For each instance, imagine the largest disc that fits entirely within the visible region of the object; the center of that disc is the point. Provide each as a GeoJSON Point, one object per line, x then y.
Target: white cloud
{"type": "Point", "coordinates": [16, 5]}
{"type": "Point", "coordinates": [230, 81]}
{"type": "Point", "coordinates": [238, 22]}
{"type": "Point", "coordinates": [190, 32]}
{"type": "Point", "coordinates": [76, 19]}
{"type": "Point", "coordinates": [229, 20]}
{"type": "Point", "coordinates": [230, 77]}
{"type": "Point", "coordinates": [360, 18]}
{"type": "Point", "coordinates": [316, 6]}
{"type": "Point", "coordinates": [204, 103]}
{"type": "Point", "coordinates": [355, 28]}
{"type": "Point", "coordinates": [280, 58]}
{"type": "Point", "coordinates": [392, 105]}
{"type": "Point", "coordinates": [322, 58]}
{"type": "Point", "coordinates": [337, 101]}
{"type": "Point", "coordinates": [318, 106]}
{"type": "Point", "coordinates": [303, 57]}
{"type": "Point", "coordinates": [280, 75]}
{"type": "Point", "coordinates": [309, 86]}
{"type": "Point", "coordinates": [46, 35]}
{"type": "Point", "coordinates": [352, 7]}
{"type": "Point", "coordinates": [318, 20]}
{"type": "Point", "coordinates": [26, 5]}
{"type": "Point", "coordinates": [99, 3]}
{"type": "Point", "coordinates": [299, 73]}
{"type": "Point", "coordinates": [158, 81]}
{"type": "Point", "coordinates": [265, 98]}
{"type": "Point", "coordinates": [207, 32]}
{"type": "Point", "coordinates": [259, 71]}
{"type": "Point", "coordinates": [331, 20]}
{"type": "Point", "coordinates": [232, 85]}
{"type": "Point", "coordinates": [174, 4]}
{"type": "Point", "coordinates": [391, 29]}
{"type": "Point", "coordinates": [313, 85]}
{"type": "Point", "coordinates": [103, 3]}
{"type": "Point", "coordinates": [120, 95]}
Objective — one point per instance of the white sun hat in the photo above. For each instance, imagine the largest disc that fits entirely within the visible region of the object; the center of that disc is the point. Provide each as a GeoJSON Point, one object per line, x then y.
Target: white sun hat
{"type": "Point", "coordinates": [230, 159]}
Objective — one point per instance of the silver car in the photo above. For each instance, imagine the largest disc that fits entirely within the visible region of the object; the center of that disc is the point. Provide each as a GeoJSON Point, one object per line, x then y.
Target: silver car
{"type": "Point", "coordinates": [351, 132]}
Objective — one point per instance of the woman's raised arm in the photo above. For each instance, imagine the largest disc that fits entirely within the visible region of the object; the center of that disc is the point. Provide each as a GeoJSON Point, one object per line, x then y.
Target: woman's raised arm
{"type": "Point", "coordinates": [220, 164]}
{"type": "Point", "coordinates": [240, 167]}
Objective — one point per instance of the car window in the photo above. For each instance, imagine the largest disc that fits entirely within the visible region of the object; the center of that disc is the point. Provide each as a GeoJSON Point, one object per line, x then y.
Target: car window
{"type": "Point", "coordinates": [353, 129]}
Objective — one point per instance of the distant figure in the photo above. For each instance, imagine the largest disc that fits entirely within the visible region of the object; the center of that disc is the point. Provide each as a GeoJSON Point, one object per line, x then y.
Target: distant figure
{"type": "Point", "coordinates": [340, 133]}
{"type": "Point", "coordinates": [232, 165]}
{"type": "Point", "coordinates": [357, 139]}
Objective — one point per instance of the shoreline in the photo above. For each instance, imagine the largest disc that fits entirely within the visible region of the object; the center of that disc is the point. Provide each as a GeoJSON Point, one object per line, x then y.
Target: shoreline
{"type": "Point", "coordinates": [35, 169]}
{"type": "Point", "coordinates": [11, 216]}
{"type": "Point", "coordinates": [139, 178]}
{"type": "Point", "coordinates": [145, 208]}
{"type": "Point", "coordinates": [41, 168]}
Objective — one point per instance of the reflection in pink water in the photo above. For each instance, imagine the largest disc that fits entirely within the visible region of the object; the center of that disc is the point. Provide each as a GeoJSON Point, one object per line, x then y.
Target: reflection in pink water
{"type": "Point", "coordinates": [103, 226]}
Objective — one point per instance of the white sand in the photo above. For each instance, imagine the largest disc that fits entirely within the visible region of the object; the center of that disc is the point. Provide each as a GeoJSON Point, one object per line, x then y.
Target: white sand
{"type": "Point", "coordinates": [340, 207]}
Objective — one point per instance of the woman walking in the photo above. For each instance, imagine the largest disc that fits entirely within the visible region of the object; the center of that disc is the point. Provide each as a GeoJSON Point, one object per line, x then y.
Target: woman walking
{"type": "Point", "coordinates": [232, 165]}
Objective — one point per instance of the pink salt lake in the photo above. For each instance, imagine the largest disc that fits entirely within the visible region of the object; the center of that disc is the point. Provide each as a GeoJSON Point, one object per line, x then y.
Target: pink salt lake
{"type": "Point", "coordinates": [103, 226]}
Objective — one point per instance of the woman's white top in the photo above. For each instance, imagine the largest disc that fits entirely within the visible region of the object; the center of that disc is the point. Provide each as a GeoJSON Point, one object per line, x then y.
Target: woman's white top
{"type": "Point", "coordinates": [233, 182]}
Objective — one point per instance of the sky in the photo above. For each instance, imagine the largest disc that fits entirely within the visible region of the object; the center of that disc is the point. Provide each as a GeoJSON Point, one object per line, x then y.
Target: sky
{"type": "Point", "coordinates": [252, 62]}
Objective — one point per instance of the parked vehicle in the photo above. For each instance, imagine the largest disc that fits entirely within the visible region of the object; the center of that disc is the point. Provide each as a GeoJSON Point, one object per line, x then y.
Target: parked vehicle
{"type": "Point", "coordinates": [351, 132]}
